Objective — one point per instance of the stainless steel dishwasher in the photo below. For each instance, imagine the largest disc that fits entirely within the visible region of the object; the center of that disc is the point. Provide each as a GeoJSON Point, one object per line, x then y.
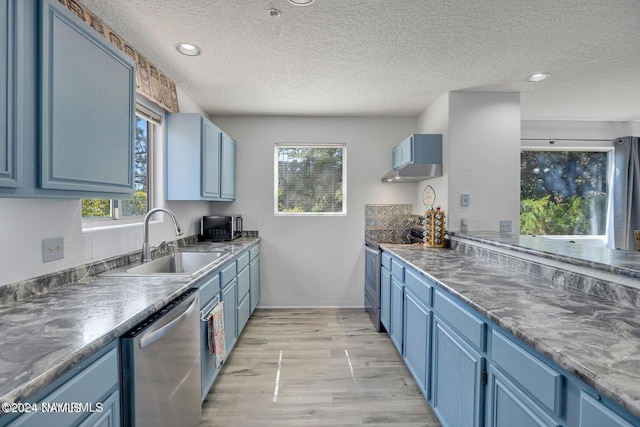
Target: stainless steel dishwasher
{"type": "Point", "coordinates": [161, 366]}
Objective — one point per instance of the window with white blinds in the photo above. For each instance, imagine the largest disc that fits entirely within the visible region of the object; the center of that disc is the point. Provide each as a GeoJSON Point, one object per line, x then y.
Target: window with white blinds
{"type": "Point", "coordinates": [310, 179]}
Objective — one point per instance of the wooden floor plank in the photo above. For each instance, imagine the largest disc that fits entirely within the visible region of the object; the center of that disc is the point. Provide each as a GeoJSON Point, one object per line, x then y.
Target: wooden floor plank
{"type": "Point", "coordinates": [315, 367]}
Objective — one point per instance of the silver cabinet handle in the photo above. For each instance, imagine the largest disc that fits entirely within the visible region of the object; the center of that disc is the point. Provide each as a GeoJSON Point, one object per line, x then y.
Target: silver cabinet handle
{"type": "Point", "coordinates": [149, 339]}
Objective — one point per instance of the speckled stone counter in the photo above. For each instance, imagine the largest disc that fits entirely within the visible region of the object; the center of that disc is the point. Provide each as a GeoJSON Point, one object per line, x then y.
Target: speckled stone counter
{"type": "Point", "coordinates": [45, 335]}
{"type": "Point", "coordinates": [595, 338]}
{"type": "Point", "coordinates": [623, 263]}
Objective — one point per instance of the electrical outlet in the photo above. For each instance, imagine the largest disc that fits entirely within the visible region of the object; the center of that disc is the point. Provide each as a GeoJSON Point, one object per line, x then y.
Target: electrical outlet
{"type": "Point", "coordinates": [505, 225]}
{"type": "Point", "coordinates": [464, 200]}
{"type": "Point", "coordinates": [52, 249]}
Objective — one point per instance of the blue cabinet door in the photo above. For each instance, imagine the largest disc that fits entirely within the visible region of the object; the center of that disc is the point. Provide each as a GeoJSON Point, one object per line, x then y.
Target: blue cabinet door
{"type": "Point", "coordinates": [87, 101]}
{"type": "Point", "coordinates": [385, 298]}
{"type": "Point", "coordinates": [456, 387]}
{"type": "Point", "coordinates": [10, 142]}
{"type": "Point", "coordinates": [417, 334]}
{"type": "Point", "coordinates": [210, 160]}
{"type": "Point", "coordinates": [397, 316]}
{"type": "Point", "coordinates": [254, 275]}
{"type": "Point", "coordinates": [229, 296]}
{"type": "Point", "coordinates": [228, 168]}
{"type": "Point", "coordinates": [109, 416]}
{"type": "Point", "coordinates": [595, 414]}
{"type": "Point", "coordinates": [508, 405]}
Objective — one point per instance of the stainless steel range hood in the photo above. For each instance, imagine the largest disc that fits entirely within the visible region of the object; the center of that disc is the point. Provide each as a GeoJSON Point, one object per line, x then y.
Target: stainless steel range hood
{"type": "Point", "coordinates": [414, 172]}
{"type": "Point", "coordinates": [416, 158]}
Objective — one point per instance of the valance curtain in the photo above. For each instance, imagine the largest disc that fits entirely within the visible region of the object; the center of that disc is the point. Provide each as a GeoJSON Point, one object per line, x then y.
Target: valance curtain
{"type": "Point", "coordinates": [626, 192]}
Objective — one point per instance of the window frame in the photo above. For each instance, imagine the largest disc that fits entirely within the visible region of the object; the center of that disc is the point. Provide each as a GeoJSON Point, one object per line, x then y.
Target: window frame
{"type": "Point", "coordinates": [154, 121]}
{"type": "Point", "coordinates": [581, 145]}
{"type": "Point", "coordinates": [277, 146]}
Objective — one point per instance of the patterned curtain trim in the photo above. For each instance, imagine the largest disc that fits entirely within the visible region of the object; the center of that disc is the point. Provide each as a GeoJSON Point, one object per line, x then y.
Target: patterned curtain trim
{"type": "Point", "coordinates": [150, 82]}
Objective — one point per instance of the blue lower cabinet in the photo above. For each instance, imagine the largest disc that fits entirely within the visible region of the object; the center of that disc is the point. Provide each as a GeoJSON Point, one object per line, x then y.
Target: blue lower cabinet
{"type": "Point", "coordinates": [385, 298]}
{"type": "Point", "coordinates": [94, 384]}
{"type": "Point", "coordinates": [594, 414]}
{"type": "Point", "coordinates": [254, 276]}
{"type": "Point", "coordinates": [244, 311]}
{"type": "Point", "coordinates": [508, 405]}
{"type": "Point", "coordinates": [109, 416]}
{"type": "Point", "coordinates": [457, 386]}
{"type": "Point", "coordinates": [209, 372]}
{"type": "Point", "coordinates": [417, 337]}
{"type": "Point", "coordinates": [396, 330]}
{"type": "Point", "coordinates": [542, 382]}
{"type": "Point", "coordinates": [229, 296]}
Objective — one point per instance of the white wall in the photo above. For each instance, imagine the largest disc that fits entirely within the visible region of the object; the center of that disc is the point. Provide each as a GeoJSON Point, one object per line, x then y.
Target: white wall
{"type": "Point", "coordinates": [574, 129]}
{"type": "Point", "coordinates": [481, 137]}
{"type": "Point", "coordinates": [313, 261]}
{"type": "Point", "coordinates": [435, 119]}
{"type": "Point", "coordinates": [25, 222]}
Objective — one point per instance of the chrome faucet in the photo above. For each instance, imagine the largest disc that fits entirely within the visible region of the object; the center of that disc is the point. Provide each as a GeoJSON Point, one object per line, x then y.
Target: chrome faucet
{"type": "Point", "coordinates": [146, 250]}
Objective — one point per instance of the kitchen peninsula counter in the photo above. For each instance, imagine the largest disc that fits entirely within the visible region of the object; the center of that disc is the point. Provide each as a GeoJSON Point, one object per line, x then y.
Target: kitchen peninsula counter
{"type": "Point", "coordinates": [595, 338]}
{"type": "Point", "coordinates": [46, 335]}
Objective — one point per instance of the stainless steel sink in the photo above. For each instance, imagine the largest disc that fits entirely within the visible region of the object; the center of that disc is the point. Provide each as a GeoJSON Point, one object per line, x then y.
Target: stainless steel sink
{"type": "Point", "coordinates": [177, 263]}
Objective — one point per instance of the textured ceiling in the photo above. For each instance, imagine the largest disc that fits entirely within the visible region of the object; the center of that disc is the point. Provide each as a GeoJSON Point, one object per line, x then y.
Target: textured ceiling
{"type": "Point", "coordinates": [391, 58]}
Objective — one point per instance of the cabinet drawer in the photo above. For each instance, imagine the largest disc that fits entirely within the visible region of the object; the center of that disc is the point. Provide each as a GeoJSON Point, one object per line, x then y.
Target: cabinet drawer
{"type": "Point", "coordinates": [227, 274]}
{"type": "Point", "coordinates": [386, 261]}
{"type": "Point", "coordinates": [470, 326]}
{"type": "Point", "coordinates": [254, 252]}
{"type": "Point", "coordinates": [397, 270]}
{"type": "Point", "coordinates": [418, 285]}
{"type": "Point", "coordinates": [209, 290]}
{"type": "Point", "coordinates": [542, 382]}
{"type": "Point", "coordinates": [243, 261]}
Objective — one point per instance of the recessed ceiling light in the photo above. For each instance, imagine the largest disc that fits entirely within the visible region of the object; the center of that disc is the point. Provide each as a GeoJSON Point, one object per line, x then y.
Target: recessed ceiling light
{"type": "Point", "coordinates": [301, 2]}
{"type": "Point", "coordinates": [538, 77]}
{"type": "Point", "coordinates": [188, 49]}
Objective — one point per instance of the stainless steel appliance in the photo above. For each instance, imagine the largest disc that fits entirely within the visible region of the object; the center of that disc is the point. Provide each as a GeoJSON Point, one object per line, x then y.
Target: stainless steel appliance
{"type": "Point", "coordinates": [219, 228]}
{"type": "Point", "coordinates": [372, 282]}
{"type": "Point", "coordinates": [161, 366]}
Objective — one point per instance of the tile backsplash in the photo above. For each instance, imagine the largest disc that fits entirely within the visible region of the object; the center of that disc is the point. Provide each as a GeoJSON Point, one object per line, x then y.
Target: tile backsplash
{"type": "Point", "coordinates": [389, 223]}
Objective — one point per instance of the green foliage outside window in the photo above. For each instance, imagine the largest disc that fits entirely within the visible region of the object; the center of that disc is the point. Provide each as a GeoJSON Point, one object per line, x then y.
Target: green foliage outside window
{"type": "Point", "coordinates": [310, 179]}
{"type": "Point", "coordinates": [96, 208]}
{"type": "Point", "coordinates": [138, 205]}
{"type": "Point", "coordinates": [563, 192]}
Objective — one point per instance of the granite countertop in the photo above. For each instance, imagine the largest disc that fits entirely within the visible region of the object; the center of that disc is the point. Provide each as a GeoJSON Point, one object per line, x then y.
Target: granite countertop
{"type": "Point", "coordinates": [46, 335]}
{"type": "Point", "coordinates": [591, 337]}
{"type": "Point", "coordinates": [619, 262]}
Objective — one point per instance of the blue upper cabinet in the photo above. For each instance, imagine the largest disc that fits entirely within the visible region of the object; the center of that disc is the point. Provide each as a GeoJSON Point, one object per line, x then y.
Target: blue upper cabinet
{"type": "Point", "coordinates": [10, 153]}
{"type": "Point", "coordinates": [228, 168]}
{"type": "Point", "coordinates": [68, 100]}
{"type": "Point", "coordinates": [418, 148]}
{"type": "Point", "coordinates": [210, 160]}
{"type": "Point", "coordinates": [200, 159]}
{"type": "Point", "coordinates": [87, 89]}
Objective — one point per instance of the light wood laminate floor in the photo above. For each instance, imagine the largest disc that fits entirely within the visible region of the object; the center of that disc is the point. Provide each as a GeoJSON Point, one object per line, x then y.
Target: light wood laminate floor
{"type": "Point", "coordinates": [314, 367]}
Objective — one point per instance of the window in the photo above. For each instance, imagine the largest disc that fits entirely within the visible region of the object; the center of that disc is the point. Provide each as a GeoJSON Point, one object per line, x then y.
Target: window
{"type": "Point", "coordinates": [564, 192]}
{"type": "Point", "coordinates": [93, 209]}
{"type": "Point", "coordinates": [310, 179]}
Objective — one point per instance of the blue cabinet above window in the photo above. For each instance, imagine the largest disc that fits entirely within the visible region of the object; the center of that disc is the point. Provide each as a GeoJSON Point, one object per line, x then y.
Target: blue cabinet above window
{"type": "Point", "coordinates": [200, 159]}
{"type": "Point", "coordinates": [68, 102]}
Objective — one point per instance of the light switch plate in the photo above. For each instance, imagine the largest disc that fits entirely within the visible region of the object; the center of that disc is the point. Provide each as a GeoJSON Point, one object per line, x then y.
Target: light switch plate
{"type": "Point", "coordinates": [505, 225]}
{"type": "Point", "coordinates": [464, 200]}
{"type": "Point", "coordinates": [52, 249]}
